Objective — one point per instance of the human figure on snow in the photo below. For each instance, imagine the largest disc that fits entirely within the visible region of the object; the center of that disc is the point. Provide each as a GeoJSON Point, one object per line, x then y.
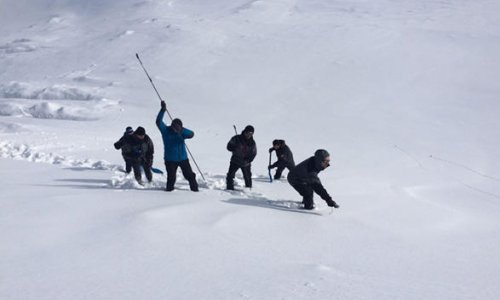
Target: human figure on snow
{"type": "Point", "coordinates": [138, 150]}
{"type": "Point", "coordinates": [285, 158]}
{"type": "Point", "coordinates": [175, 154]}
{"type": "Point", "coordinates": [244, 151]}
{"type": "Point", "coordinates": [304, 179]}
{"type": "Point", "coordinates": [128, 163]}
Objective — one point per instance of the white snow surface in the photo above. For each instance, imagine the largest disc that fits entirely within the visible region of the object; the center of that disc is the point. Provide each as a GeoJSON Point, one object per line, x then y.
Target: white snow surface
{"type": "Point", "coordinates": [403, 94]}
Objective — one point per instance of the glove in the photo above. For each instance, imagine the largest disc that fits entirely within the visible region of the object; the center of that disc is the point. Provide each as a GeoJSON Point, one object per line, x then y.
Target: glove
{"type": "Point", "coordinates": [332, 203]}
{"type": "Point", "coordinates": [163, 105]}
{"type": "Point", "coordinates": [271, 149]}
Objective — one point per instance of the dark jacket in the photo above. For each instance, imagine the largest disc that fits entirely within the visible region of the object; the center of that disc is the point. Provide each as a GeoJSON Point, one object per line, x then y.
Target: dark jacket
{"type": "Point", "coordinates": [306, 173]}
{"type": "Point", "coordinates": [173, 142]}
{"type": "Point", "coordinates": [120, 144]}
{"type": "Point", "coordinates": [135, 149]}
{"type": "Point", "coordinates": [285, 157]}
{"type": "Point", "coordinates": [244, 150]}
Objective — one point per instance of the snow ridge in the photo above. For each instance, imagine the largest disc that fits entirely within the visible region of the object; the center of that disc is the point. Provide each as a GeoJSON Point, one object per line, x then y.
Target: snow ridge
{"type": "Point", "coordinates": [23, 90]}
{"type": "Point", "coordinates": [22, 99]}
{"type": "Point", "coordinates": [25, 152]}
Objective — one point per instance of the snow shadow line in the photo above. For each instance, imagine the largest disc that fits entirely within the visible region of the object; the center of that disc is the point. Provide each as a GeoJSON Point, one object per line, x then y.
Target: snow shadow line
{"type": "Point", "coordinates": [266, 203]}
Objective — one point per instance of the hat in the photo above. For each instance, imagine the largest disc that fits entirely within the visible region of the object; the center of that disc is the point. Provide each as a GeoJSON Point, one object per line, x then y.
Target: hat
{"type": "Point", "coordinates": [321, 154]}
{"type": "Point", "coordinates": [177, 122]}
{"type": "Point", "coordinates": [129, 130]}
{"type": "Point", "coordinates": [249, 128]}
{"type": "Point", "coordinates": [278, 142]}
{"type": "Point", "coordinates": [140, 131]}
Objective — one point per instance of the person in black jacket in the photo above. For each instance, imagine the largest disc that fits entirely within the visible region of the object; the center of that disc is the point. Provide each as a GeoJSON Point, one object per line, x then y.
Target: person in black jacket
{"type": "Point", "coordinates": [138, 148]}
{"type": "Point", "coordinates": [304, 179]}
{"type": "Point", "coordinates": [285, 158]}
{"type": "Point", "coordinates": [128, 163]}
{"type": "Point", "coordinates": [244, 151]}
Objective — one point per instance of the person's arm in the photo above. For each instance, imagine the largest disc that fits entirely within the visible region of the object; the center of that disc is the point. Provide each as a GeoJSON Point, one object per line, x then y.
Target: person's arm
{"type": "Point", "coordinates": [318, 188]}
{"type": "Point", "coordinates": [119, 144]}
{"type": "Point", "coordinates": [159, 118]}
{"type": "Point", "coordinates": [253, 153]}
{"type": "Point", "coordinates": [151, 150]}
{"type": "Point", "coordinates": [231, 145]}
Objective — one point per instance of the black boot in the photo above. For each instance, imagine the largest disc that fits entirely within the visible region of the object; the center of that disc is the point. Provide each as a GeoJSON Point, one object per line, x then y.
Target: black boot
{"type": "Point", "coordinates": [193, 185]}
{"type": "Point", "coordinates": [229, 184]}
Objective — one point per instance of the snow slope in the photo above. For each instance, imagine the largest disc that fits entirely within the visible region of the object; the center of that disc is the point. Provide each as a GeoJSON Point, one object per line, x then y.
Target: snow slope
{"type": "Point", "coordinates": [402, 93]}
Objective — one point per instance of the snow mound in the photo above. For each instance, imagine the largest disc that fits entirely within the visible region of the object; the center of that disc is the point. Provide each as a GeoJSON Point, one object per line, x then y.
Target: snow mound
{"type": "Point", "coordinates": [23, 90]}
{"type": "Point", "coordinates": [58, 101]}
{"type": "Point", "coordinates": [9, 109]}
{"type": "Point", "coordinates": [47, 110]}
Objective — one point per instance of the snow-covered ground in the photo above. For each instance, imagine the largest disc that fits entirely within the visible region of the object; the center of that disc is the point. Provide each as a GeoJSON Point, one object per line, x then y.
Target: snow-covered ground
{"type": "Point", "coordinates": [404, 95]}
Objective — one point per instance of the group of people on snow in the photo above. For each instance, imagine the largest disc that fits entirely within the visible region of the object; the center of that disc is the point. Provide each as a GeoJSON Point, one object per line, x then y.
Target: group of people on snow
{"type": "Point", "coordinates": [137, 151]}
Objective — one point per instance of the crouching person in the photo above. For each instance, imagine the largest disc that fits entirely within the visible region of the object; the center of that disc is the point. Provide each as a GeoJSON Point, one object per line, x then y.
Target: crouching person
{"type": "Point", "coordinates": [285, 158]}
{"type": "Point", "coordinates": [304, 179]}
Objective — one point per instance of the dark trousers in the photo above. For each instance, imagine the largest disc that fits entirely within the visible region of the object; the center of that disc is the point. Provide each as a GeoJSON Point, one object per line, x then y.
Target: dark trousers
{"type": "Point", "coordinates": [128, 165]}
{"type": "Point", "coordinates": [247, 175]}
{"type": "Point", "coordinates": [280, 165]}
{"type": "Point", "coordinates": [307, 193]}
{"type": "Point", "coordinates": [137, 166]}
{"type": "Point", "coordinates": [187, 172]}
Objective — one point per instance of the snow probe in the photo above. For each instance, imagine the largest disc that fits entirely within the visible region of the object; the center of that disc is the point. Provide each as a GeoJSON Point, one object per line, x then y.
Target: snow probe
{"type": "Point", "coordinates": [270, 177]}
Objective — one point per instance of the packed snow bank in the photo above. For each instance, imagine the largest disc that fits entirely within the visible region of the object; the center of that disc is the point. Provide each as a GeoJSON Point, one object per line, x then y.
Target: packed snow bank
{"type": "Point", "coordinates": [52, 102]}
{"type": "Point", "coordinates": [24, 90]}
{"type": "Point", "coordinates": [25, 152]}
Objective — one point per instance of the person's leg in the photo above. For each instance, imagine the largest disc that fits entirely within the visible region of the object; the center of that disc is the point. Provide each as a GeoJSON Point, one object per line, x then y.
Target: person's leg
{"type": "Point", "coordinates": [171, 168]}
{"type": "Point", "coordinates": [247, 175]}
{"type": "Point", "coordinates": [189, 175]}
{"type": "Point", "coordinates": [128, 165]}
{"type": "Point", "coordinates": [279, 170]}
{"type": "Point", "coordinates": [307, 194]}
{"type": "Point", "coordinates": [308, 197]}
{"type": "Point", "coordinates": [136, 166]}
{"type": "Point", "coordinates": [230, 176]}
{"type": "Point", "coordinates": [147, 171]}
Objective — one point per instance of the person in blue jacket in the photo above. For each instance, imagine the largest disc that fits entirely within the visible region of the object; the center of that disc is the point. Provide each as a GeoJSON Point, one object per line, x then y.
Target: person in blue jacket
{"type": "Point", "coordinates": [175, 154]}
